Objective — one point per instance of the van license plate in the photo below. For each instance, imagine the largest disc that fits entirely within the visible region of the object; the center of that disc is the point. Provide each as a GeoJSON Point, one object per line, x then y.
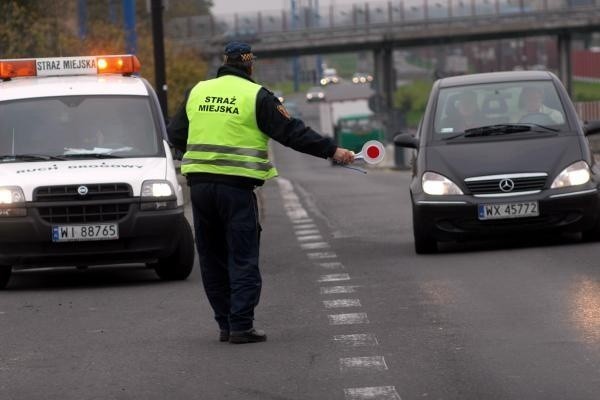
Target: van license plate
{"type": "Point", "coordinates": [79, 233]}
{"type": "Point", "coordinates": [508, 210]}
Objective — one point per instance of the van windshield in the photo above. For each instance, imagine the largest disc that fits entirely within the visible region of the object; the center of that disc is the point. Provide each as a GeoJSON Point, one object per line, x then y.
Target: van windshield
{"type": "Point", "coordinates": [534, 104]}
{"type": "Point", "coordinates": [76, 126]}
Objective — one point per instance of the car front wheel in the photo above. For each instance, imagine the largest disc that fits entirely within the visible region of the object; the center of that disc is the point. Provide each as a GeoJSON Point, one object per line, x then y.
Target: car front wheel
{"type": "Point", "coordinates": [180, 263]}
{"type": "Point", "coordinates": [5, 273]}
{"type": "Point", "coordinates": [424, 242]}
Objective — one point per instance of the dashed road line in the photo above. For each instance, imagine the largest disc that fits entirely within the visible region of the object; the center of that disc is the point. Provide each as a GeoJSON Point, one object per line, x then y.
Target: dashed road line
{"type": "Point", "coordinates": [302, 232]}
{"type": "Point", "coordinates": [305, 226]}
{"type": "Point", "coordinates": [357, 340]}
{"type": "Point", "coordinates": [348, 319]}
{"type": "Point", "coordinates": [321, 255]}
{"type": "Point", "coordinates": [314, 246]}
{"type": "Point", "coordinates": [338, 289]}
{"type": "Point", "coordinates": [334, 277]}
{"type": "Point", "coordinates": [309, 238]}
{"type": "Point", "coordinates": [341, 303]}
{"type": "Point", "coordinates": [372, 393]}
{"type": "Point", "coordinates": [332, 265]}
{"type": "Point", "coordinates": [375, 363]}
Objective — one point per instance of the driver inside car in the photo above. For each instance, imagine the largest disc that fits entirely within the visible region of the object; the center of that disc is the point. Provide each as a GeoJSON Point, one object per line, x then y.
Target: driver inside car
{"type": "Point", "coordinates": [533, 108]}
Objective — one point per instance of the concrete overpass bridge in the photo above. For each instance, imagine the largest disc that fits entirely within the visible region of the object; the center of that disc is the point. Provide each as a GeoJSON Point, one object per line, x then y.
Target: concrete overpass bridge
{"type": "Point", "coordinates": [382, 27]}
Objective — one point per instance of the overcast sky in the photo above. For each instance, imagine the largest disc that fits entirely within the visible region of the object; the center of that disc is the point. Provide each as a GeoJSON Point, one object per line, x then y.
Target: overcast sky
{"type": "Point", "coordinates": [232, 6]}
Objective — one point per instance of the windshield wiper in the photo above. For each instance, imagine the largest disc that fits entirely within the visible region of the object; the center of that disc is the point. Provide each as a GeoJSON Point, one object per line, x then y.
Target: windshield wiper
{"type": "Point", "coordinates": [506, 129]}
{"type": "Point", "coordinates": [493, 130]}
{"type": "Point", "coordinates": [30, 157]}
{"type": "Point", "coordinates": [90, 155]}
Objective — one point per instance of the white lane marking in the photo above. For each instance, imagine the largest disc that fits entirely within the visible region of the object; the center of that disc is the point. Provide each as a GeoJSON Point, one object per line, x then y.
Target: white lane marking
{"type": "Point", "coordinates": [302, 232]}
{"type": "Point", "coordinates": [341, 303]}
{"type": "Point", "coordinates": [305, 226]}
{"type": "Point", "coordinates": [291, 202]}
{"type": "Point", "coordinates": [309, 238]}
{"type": "Point", "coordinates": [372, 393]}
{"type": "Point", "coordinates": [303, 221]}
{"type": "Point", "coordinates": [332, 265]}
{"type": "Point", "coordinates": [322, 255]}
{"type": "Point", "coordinates": [375, 363]}
{"type": "Point", "coordinates": [338, 289]}
{"type": "Point", "coordinates": [334, 277]}
{"type": "Point", "coordinates": [314, 246]}
{"type": "Point", "coordinates": [357, 340]}
{"type": "Point", "coordinates": [348, 319]}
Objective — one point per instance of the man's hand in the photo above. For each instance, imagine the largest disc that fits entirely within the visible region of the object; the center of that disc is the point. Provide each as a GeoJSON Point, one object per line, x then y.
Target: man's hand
{"type": "Point", "coordinates": [343, 156]}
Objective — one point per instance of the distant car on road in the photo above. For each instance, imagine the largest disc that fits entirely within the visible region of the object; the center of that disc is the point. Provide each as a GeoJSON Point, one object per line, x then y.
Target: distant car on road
{"type": "Point", "coordinates": [500, 154]}
{"type": "Point", "coordinates": [315, 94]}
{"type": "Point", "coordinates": [361, 77]}
{"type": "Point", "coordinates": [329, 76]}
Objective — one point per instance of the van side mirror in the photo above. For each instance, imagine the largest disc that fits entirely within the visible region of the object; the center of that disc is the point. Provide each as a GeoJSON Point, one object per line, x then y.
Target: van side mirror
{"type": "Point", "coordinates": [591, 128]}
{"type": "Point", "coordinates": [406, 140]}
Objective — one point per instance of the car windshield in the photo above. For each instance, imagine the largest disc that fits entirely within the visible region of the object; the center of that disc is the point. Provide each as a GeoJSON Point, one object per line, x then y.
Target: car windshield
{"type": "Point", "coordinates": [498, 106]}
{"type": "Point", "coordinates": [78, 126]}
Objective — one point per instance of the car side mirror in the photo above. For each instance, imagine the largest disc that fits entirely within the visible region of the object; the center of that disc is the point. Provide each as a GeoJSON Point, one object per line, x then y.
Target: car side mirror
{"type": "Point", "coordinates": [591, 128]}
{"type": "Point", "coordinates": [406, 140]}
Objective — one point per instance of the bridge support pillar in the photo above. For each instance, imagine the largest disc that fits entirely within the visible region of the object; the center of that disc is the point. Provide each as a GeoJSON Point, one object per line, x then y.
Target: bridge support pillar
{"type": "Point", "coordinates": [385, 81]}
{"type": "Point", "coordinates": [564, 61]}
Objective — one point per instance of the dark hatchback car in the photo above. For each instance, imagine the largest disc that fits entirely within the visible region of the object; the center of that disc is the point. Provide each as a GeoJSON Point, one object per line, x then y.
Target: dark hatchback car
{"type": "Point", "coordinates": [501, 154]}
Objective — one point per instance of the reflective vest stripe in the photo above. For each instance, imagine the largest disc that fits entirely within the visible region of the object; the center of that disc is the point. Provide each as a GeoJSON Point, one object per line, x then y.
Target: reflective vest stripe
{"type": "Point", "coordinates": [267, 166]}
{"type": "Point", "coordinates": [214, 148]}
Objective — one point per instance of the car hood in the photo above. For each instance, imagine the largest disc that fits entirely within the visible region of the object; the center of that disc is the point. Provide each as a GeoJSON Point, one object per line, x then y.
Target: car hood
{"type": "Point", "coordinates": [133, 171]}
{"type": "Point", "coordinates": [458, 161]}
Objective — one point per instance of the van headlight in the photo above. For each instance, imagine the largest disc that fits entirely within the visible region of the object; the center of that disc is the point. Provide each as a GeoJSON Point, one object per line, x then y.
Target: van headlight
{"type": "Point", "coordinates": [436, 184]}
{"type": "Point", "coordinates": [12, 202]}
{"type": "Point", "coordinates": [575, 174]}
{"type": "Point", "coordinates": [157, 195]}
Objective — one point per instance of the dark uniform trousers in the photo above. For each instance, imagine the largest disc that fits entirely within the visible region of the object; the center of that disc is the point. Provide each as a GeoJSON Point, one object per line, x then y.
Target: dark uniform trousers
{"type": "Point", "coordinates": [227, 238]}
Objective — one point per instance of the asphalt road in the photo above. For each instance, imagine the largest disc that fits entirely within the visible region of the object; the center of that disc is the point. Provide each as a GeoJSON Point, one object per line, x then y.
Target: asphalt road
{"type": "Point", "coordinates": [350, 310]}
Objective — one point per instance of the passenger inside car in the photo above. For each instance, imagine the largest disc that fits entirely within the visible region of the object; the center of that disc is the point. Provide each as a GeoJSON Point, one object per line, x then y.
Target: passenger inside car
{"type": "Point", "coordinates": [463, 113]}
{"type": "Point", "coordinates": [533, 109]}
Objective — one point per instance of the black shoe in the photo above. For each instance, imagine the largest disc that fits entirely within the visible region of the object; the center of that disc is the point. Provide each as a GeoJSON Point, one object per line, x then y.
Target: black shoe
{"type": "Point", "coordinates": [249, 336]}
{"type": "Point", "coordinates": [224, 336]}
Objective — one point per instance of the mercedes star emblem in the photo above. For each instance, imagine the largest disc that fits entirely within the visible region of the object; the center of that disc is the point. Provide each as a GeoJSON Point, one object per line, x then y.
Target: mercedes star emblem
{"type": "Point", "coordinates": [506, 185]}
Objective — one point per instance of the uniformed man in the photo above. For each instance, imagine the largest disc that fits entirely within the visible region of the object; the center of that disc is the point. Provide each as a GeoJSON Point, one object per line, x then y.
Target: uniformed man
{"type": "Point", "coordinates": [224, 126]}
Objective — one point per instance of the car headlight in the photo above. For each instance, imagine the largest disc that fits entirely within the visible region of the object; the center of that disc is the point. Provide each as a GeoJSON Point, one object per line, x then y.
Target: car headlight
{"type": "Point", "coordinates": [157, 195]}
{"type": "Point", "coordinates": [12, 202]}
{"type": "Point", "coordinates": [323, 81]}
{"type": "Point", "coordinates": [321, 95]}
{"type": "Point", "coordinates": [436, 184]}
{"type": "Point", "coordinates": [575, 174]}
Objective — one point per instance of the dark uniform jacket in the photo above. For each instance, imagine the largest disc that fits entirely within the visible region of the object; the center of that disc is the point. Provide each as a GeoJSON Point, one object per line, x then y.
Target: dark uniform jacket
{"type": "Point", "coordinates": [271, 120]}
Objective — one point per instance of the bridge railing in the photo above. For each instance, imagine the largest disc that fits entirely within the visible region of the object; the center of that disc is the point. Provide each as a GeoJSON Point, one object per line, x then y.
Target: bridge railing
{"type": "Point", "coordinates": [253, 26]}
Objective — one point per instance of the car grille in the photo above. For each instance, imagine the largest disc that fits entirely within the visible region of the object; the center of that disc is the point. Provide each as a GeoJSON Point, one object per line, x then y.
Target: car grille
{"type": "Point", "coordinates": [100, 204]}
{"type": "Point", "coordinates": [492, 186]}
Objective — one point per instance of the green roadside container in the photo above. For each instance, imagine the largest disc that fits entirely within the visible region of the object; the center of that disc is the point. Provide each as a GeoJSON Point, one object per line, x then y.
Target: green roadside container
{"type": "Point", "coordinates": [352, 131]}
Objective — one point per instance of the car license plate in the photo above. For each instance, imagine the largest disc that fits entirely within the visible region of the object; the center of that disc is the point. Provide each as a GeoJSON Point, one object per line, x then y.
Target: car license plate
{"type": "Point", "coordinates": [78, 233]}
{"type": "Point", "coordinates": [508, 210]}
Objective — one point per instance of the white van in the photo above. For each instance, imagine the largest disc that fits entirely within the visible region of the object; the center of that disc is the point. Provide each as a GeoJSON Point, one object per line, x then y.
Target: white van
{"type": "Point", "coordinates": [86, 174]}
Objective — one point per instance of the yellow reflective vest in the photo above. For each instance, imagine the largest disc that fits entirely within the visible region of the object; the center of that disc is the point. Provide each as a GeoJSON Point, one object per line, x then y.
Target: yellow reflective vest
{"type": "Point", "coordinates": [223, 135]}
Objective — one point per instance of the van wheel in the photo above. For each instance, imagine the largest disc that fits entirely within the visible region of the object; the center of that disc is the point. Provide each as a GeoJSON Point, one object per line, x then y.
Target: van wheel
{"type": "Point", "coordinates": [180, 263]}
{"type": "Point", "coordinates": [424, 243]}
{"type": "Point", "coordinates": [5, 273]}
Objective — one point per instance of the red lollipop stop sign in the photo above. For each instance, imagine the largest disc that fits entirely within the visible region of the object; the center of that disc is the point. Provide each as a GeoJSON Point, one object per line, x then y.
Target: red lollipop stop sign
{"type": "Point", "coordinates": [372, 152]}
